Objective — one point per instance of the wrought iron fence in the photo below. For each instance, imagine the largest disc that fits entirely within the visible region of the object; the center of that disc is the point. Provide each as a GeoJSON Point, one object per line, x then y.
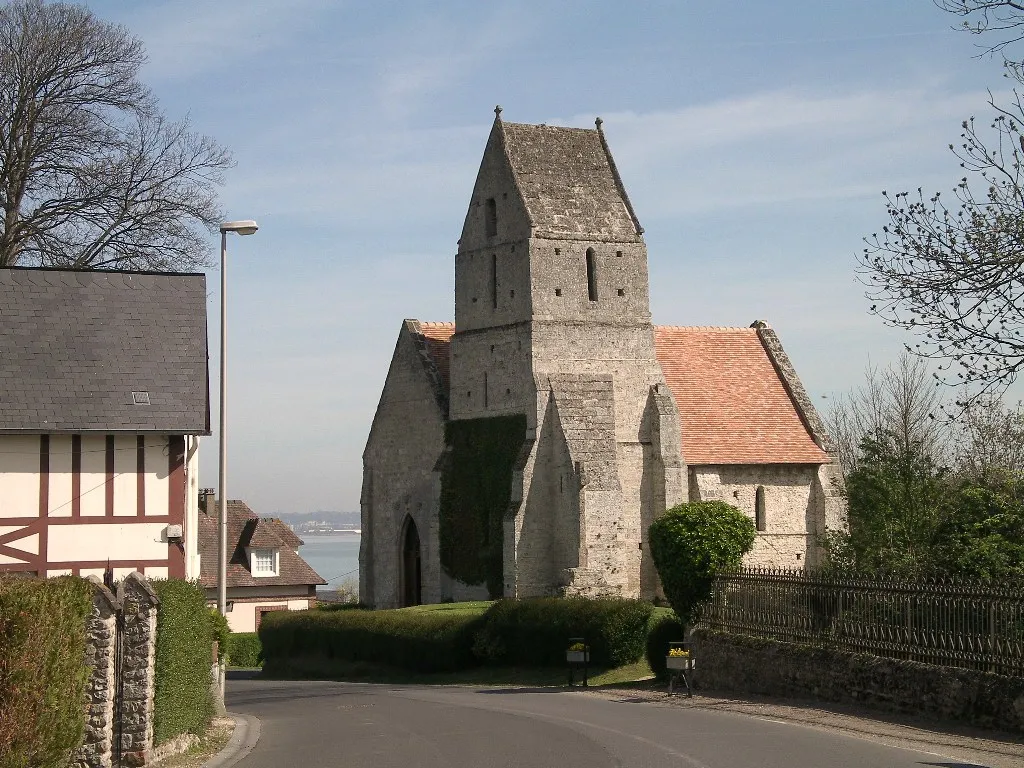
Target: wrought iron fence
{"type": "Point", "coordinates": [948, 622]}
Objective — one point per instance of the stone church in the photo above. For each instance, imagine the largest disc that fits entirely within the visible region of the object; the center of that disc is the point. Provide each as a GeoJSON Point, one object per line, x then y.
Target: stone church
{"type": "Point", "coordinates": [526, 448]}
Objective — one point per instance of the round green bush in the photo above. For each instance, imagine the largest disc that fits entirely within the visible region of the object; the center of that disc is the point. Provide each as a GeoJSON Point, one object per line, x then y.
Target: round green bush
{"type": "Point", "coordinates": [667, 629]}
{"type": "Point", "coordinates": [691, 543]}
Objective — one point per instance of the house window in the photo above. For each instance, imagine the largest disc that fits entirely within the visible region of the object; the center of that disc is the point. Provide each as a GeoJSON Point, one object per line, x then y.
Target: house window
{"type": "Point", "coordinates": [263, 562]}
{"type": "Point", "coordinates": [759, 508]}
{"type": "Point", "coordinates": [591, 275]}
{"type": "Point", "coordinates": [491, 217]}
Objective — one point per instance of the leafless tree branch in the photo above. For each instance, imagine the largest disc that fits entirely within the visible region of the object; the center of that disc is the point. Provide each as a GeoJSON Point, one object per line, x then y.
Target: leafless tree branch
{"type": "Point", "coordinates": [92, 175]}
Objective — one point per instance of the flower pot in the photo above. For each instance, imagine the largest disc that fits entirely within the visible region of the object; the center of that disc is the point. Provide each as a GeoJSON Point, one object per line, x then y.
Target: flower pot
{"type": "Point", "coordinates": [684, 663]}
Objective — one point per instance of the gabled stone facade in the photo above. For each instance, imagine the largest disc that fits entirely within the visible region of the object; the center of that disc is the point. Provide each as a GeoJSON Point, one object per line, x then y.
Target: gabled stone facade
{"type": "Point", "coordinates": [552, 321]}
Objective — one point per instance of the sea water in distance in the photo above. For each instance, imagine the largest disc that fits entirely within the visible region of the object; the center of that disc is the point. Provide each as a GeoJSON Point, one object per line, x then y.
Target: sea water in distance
{"type": "Point", "coordinates": [335, 556]}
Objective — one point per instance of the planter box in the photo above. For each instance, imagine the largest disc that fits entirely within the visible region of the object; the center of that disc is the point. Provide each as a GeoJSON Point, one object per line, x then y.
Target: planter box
{"type": "Point", "coordinates": [577, 657]}
{"type": "Point", "coordinates": [684, 663]}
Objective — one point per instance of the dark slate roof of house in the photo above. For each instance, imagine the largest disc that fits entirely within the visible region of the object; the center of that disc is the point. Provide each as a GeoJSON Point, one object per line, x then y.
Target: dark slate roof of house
{"type": "Point", "coordinates": [76, 345]}
{"type": "Point", "coordinates": [569, 182]}
{"type": "Point", "coordinates": [247, 529]}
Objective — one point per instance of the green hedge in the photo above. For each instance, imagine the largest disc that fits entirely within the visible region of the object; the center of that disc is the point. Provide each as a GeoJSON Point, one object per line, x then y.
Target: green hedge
{"type": "Point", "coordinates": [417, 641]}
{"type": "Point", "coordinates": [244, 649]}
{"type": "Point", "coordinates": [536, 631]}
{"type": "Point", "coordinates": [42, 669]}
{"type": "Point", "coordinates": [664, 630]}
{"type": "Point", "coordinates": [185, 634]}
{"type": "Point", "coordinates": [476, 484]}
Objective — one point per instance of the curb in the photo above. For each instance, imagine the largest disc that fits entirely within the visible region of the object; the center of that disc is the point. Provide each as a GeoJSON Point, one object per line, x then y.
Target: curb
{"type": "Point", "coordinates": [243, 739]}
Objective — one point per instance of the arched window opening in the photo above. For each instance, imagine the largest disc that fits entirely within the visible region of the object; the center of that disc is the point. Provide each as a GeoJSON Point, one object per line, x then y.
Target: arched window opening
{"type": "Point", "coordinates": [411, 591]}
{"type": "Point", "coordinates": [759, 508]}
{"type": "Point", "coordinates": [491, 217]}
{"type": "Point", "coordinates": [591, 275]}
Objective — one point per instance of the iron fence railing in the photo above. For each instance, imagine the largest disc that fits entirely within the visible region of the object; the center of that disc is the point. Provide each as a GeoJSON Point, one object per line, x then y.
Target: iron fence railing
{"type": "Point", "coordinates": [947, 622]}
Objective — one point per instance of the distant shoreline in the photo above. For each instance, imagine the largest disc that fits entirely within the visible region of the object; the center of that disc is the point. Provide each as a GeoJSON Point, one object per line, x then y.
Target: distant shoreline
{"type": "Point", "coordinates": [347, 531]}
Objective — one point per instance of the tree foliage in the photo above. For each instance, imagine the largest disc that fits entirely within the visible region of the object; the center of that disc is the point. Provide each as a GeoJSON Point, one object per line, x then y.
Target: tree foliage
{"type": "Point", "coordinates": [691, 543]}
{"type": "Point", "coordinates": [951, 270]}
{"type": "Point", "coordinates": [92, 174]}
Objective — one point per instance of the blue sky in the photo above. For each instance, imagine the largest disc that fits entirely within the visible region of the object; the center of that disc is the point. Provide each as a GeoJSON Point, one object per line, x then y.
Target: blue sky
{"type": "Point", "coordinates": [754, 140]}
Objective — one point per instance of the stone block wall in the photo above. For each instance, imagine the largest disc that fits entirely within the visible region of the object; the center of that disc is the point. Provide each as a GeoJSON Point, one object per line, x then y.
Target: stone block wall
{"type": "Point", "coordinates": [101, 631]}
{"type": "Point", "coordinates": [727, 662]}
{"type": "Point", "coordinates": [136, 633]}
{"type": "Point", "coordinates": [139, 605]}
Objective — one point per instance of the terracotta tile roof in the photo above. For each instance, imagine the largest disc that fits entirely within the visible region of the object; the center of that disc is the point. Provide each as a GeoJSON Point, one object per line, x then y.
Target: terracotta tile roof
{"type": "Point", "coordinates": [437, 337]}
{"type": "Point", "coordinates": [245, 528]}
{"type": "Point", "coordinates": [569, 182]}
{"type": "Point", "coordinates": [733, 407]}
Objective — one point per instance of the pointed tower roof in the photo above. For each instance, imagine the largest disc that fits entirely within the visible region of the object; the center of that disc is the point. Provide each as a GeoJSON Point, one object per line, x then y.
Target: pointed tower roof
{"type": "Point", "coordinates": [569, 182]}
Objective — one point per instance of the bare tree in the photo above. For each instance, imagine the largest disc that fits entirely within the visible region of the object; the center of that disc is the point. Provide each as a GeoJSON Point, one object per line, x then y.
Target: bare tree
{"type": "Point", "coordinates": [896, 404]}
{"type": "Point", "coordinates": [92, 175]}
{"type": "Point", "coordinates": [990, 442]}
{"type": "Point", "coordinates": [954, 273]}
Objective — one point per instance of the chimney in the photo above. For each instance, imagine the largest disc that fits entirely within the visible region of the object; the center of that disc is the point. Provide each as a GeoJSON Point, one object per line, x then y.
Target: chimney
{"type": "Point", "coordinates": [206, 501]}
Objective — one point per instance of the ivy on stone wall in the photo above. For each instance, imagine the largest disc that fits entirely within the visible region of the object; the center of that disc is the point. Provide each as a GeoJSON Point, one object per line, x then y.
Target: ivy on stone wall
{"type": "Point", "coordinates": [476, 483]}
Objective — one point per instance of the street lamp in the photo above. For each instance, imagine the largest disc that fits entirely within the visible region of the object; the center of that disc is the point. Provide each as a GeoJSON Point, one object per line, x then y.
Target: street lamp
{"type": "Point", "coordinates": [242, 228]}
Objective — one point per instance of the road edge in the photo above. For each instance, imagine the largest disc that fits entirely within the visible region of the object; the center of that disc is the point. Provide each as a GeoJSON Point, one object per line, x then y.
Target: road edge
{"type": "Point", "coordinates": [243, 739]}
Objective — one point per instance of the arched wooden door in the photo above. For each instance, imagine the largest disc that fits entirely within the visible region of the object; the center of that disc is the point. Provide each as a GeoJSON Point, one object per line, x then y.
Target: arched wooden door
{"type": "Point", "coordinates": [411, 592]}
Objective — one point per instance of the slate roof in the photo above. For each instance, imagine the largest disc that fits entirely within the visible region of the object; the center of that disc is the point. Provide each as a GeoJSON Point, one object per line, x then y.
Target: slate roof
{"type": "Point", "coordinates": [733, 406]}
{"type": "Point", "coordinates": [569, 182]}
{"type": "Point", "coordinates": [247, 529]}
{"type": "Point", "coordinates": [75, 345]}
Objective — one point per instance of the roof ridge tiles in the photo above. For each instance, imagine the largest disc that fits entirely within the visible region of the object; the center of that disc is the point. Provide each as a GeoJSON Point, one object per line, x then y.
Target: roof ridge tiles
{"type": "Point", "coordinates": [706, 328]}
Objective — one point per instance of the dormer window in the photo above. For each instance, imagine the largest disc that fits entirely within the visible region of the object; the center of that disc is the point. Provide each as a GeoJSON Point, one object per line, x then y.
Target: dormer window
{"type": "Point", "coordinates": [491, 217]}
{"type": "Point", "coordinates": [264, 562]}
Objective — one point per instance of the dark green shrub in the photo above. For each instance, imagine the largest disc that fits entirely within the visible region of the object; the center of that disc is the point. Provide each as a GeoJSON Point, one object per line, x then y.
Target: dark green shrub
{"type": "Point", "coordinates": [416, 641]}
{"type": "Point", "coordinates": [221, 632]}
{"type": "Point", "coordinates": [42, 669]}
{"type": "Point", "coordinates": [691, 543]}
{"type": "Point", "coordinates": [536, 631]}
{"type": "Point", "coordinates": [664, 630]}
{"type": "Point", "coordinates": [244, 649]}
{"type": "Point", "coordinates": [183, 703]}
{"type": "Point", "coordinates": [476, 483]}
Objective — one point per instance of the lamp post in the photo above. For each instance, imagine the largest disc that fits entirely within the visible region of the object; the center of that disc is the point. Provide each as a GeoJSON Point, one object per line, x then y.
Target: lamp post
{"type": "Point", "coordinates": [241, 228]}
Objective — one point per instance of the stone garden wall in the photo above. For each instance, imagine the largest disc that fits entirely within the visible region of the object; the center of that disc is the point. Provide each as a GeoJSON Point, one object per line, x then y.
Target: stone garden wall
{"type": "Point", "coordinates": [129, 619]}
{"type": "Point", "coordinates": [728, 662]}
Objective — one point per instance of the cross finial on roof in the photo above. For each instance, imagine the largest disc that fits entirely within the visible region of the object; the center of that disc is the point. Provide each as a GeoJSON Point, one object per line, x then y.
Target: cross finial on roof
{"type": "Point", "coordinates": [497, 112]}
{"type": "Point", "coordinates": [598, 122]}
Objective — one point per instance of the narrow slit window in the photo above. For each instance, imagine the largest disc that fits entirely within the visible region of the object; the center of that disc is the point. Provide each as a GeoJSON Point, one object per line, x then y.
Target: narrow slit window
{"type": "Point", "coordinates": [591, 275]}
{"type": "Point", "coordinates": [485, 389]}
{"type": "Point", "coordinates": [759, 508]}
{"type": "Point", "coordinates": [491, 217]}
{"type": "Point", "coordinates": [494, 281]}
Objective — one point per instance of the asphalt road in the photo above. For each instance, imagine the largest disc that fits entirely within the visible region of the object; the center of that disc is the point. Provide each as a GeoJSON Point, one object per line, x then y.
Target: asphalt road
{"type": "Point", "coordinates": [350, 725]}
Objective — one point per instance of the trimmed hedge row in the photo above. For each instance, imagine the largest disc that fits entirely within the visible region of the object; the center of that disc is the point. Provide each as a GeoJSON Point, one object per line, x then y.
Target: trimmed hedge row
{"type": "Point", "coordinates": [244, 649]}
{"type": "Point", "coordinates": [42, 669]}
{"type": "Point", "coordinates": [536, 632]}
{"type": "Point", "coordinates": [185, 633]}
{"type": "Point", "coordinates": [531, 632]}
{"type": "Point", "coordinates": [421, 642]}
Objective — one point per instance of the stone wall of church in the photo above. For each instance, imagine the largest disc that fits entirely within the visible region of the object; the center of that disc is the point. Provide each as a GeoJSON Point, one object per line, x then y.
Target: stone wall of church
{"type": "Point", "coordinates": [405, 442]}
{"type": "Point", "coordinates": [794, 507]}
{"type": "Point", "coordinates": [490, 373]}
